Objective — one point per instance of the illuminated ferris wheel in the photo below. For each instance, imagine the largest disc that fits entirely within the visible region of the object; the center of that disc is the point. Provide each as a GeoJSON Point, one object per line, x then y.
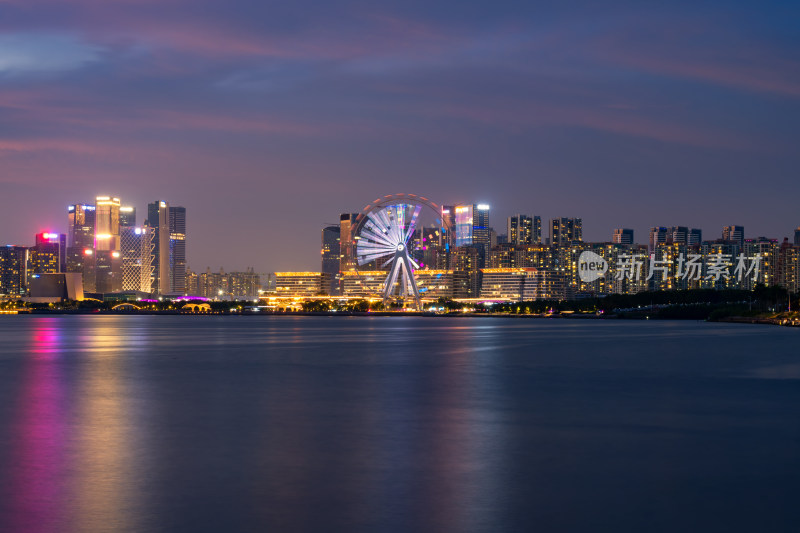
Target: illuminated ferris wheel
{"type": "Point", "coordinates": [382, 234]}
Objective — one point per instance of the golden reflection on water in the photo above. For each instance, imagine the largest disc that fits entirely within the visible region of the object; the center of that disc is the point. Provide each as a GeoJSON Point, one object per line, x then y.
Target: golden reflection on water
{"type": "Point", "coordinates": [105, 489]}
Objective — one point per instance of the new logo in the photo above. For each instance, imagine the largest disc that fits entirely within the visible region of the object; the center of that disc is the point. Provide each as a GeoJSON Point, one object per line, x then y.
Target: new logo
{"type": "Point", "coordinates": [591, 266]}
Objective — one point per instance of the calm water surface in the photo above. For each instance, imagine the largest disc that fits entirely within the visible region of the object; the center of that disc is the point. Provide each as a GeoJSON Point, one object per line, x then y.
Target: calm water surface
{"type": "Point", "coordinates": [180, 423]}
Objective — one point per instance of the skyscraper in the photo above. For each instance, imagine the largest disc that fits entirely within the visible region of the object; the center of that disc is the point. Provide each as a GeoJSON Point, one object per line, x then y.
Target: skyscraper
{"type": "Point", "coordinates": [158, 222]}
{"type": "Point", "coordinates": [127, 216]}
{"type": "Point", "coordinates": [347, 260]}
{"type": "Point", "coordinates": [733, 234]}
{"type": "Point", "coordinates": [137, 254]}
{"type": "Point", "coordinates": [564, 231]}
{"type": "Point", "coordinates": [80, 235]}
{"type": "Point", "coordinates": [48, 256]}
{"type": "Point", "coordinates": [330, 255]}
{"type": "Point", "coordinates": [107, 257]}
{"type": "Point", "coordinates": [623, 236]}
{"type": "Point", "coordinates": [472, 228]}
{"type": "Point", "coordinates": [797, 237]}
{"type": "Point", "coordinates": [177, 249]}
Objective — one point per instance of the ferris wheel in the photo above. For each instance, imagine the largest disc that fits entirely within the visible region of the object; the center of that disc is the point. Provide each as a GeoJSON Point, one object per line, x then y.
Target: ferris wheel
{"type": "Point", "coordinates": [382, 234]}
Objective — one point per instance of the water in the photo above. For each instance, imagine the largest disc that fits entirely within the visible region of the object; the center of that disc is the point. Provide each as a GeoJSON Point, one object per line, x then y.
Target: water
{"type": "Point", "coordinates": [187, 423]}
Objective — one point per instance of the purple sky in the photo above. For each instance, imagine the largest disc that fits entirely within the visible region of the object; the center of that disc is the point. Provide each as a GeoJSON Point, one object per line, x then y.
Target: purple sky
{"type": "Point", "coordinates": [267, 119]}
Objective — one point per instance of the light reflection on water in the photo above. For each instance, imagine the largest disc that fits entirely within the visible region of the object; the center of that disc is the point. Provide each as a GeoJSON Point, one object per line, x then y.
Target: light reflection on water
{"type": "Point", "coordinates": [172, 423]}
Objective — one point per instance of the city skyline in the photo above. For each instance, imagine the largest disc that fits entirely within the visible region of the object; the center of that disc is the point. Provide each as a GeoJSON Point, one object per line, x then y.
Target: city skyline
{"type": "Point", "coordinates": [500, 227]}
{"type": "Point", "coordinates": [623, 115]}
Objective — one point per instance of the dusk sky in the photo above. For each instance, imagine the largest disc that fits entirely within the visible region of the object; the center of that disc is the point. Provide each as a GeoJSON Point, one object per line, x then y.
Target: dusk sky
{"type": "Point", "coordinates": [268, 119]}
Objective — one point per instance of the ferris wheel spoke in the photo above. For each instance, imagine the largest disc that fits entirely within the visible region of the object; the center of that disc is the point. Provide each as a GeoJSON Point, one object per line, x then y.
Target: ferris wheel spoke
{"type": "Point", "coordinates": [413, 223]}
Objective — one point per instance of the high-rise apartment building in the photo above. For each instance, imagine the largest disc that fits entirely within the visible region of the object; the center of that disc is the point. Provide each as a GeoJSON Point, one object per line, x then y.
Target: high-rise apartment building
{"type": "Point", "coordinates": [658, 235]}
{"type": "Point", "coordinates": [797, 237]}
{"type": "Point", "coordinates": [622, 236]}
{"type": "Point", "coordinates": [13, 270]}
{"type": "Point", "coordinates": [695, 237]}
{"type": "Point", "coordinates": [523, 230]}
{"type": "Point", "coordinates": [733, 234]}
{"type": "Point", "coordinates": [564, 231]}
{"type": "Point", "coordinates": [330, 255]}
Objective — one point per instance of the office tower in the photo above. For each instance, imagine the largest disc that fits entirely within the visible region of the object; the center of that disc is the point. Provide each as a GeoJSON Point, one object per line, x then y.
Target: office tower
{"type": "Point", "coordinates": [797, 237]}
{"type": "Point", "coordinates": [347, 260]}
{"type": "Point", "coordinates": [623, 236]}
{"type": "Point", "coordinates": [80, 235]}
{"type": "Point", "coordinates": [177, 249]}
{"type": "Point", "coordinates": [127, 216]}
{"type": "Point", "coordinates": [481, 232]}
{"type": "Point", "coordinates": [464, 220]}
{"type": "Point", "coordinates": [472, 228]}
{"type": "Point", "coordinates": [564, 231]}
{"type": "Point", "coordinates": [107, 257]}
{"type": "Point", "coordinates": [48, 255]}
{"type": "Point", "coordinates": [330, 255]}
{"type": "Point", "coordinates": [733, 234]}
{"type": "Point", "coordinates": [448, 220]}
{"type": "Point", "coordinates": [658, 235]}
{"type": "Point", "coordinates": [695, 236]}
{"type": "Point", "coordinates": [536, 230]}
{"type": "Point", "coordinates": [13, 270]}
{"type": "Point", "coordinates": [136, 247]}
{"type": "Point", "coordinates": [158, 222]}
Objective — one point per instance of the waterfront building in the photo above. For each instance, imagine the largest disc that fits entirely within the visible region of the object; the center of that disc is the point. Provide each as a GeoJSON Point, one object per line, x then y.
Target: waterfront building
{"type": "Point", "coordinates": [465, 261]}
{"type": "Point", "coordinates": [564, 231]}
{"type": "Point", "coordinates": [13, 270]}
{"type": "Point", "coordinates": [136, 247]}
{"type": "Point", "coordinates": [48, 255]}
{"type": "Point", "coordinates": [786, 266]}
{"type": "Point", "coordinates": [363, 284]}
{"type": "Point", "coordinates": [434, 284]}
{"type": "Point", "coordinates": [158, 222]}
{"type": "Point", "coordinates": [524, 284]}
{"type": "Point", "coordinates": [302, 284]}
{"type": "Point", "coordinates": [168, 226]}
{"type": "Point", "coordinates": [623, 236]}
{"type": "Point", "coordinates": [107, 259]}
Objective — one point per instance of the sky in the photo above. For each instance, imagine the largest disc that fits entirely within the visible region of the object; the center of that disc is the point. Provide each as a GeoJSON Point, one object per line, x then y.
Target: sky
{"type": "Point", "coordinates": [266, 120]}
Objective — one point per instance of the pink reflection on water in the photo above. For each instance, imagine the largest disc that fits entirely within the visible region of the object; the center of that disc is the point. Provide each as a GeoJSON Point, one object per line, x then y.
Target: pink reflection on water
{"type": "Point", "coordinates": [40, 434]}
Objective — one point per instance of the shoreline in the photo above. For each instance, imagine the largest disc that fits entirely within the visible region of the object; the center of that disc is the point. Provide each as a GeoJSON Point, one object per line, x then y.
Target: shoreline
{"type": "Point", "coordinates": [561, 316]}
